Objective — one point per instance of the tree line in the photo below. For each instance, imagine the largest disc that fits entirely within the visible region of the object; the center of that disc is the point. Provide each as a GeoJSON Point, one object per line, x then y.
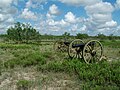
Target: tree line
{"type": "Point", "coordinates": [23, 33]}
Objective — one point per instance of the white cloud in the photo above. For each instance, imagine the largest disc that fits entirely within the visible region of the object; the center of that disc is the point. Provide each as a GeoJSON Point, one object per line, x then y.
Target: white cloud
{"type": "Point", "coordinates": [50, 16]}
{"type": "Point", "coordinates": [7, 11]}
{"type": "Point", "coordinates": [102, 7]}
{"type": "Point", "coordinates": [39, 1]}
{"type": "Point", "coordinates": [10, 20]}
{"type": "Point", "coordinates": [68, 23]}
{"type": "Point", "coordinates": [53, 9]}
{"type": "Point", "coordinates": [83, 28]}
{"type": "Point", "coordinates": [5, 3]}
{"type": "Point", "coordinates": [111, 24]}
{"type": "Point", "coordinates": [35, 4]}
{"type": "Point", "coordinates": [74, 27]}
{"type": "Point", "coordinates": [117, 31]}
{"type": "Point", "coordinates": [80, 2]}
{"type": "Point", "coordinates": [1, 18]}
{"type": "Point", "coordinates": [53, 12]}
{"type": "Point", "coordinates": [51, 22]}
{"type": "Point", "coordinates": [29, 4]}
{"type": "Point", "coordinates": [63, 23]}
{"type": "Point", "coordinates": [100, 18]}
{"type": "Point", "coordinates": [117, 4]}
{"type": "Point", "coordinates": [70, 17]}
{"type": "Point", "coordinates": [27, 14]}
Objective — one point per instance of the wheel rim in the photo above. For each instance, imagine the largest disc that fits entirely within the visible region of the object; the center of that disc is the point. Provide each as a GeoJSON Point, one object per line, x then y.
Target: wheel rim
{"type": "Point", "coordinates": [59, 46]}
{"type": "Point", "coordinates": [92, 51]}
{"type": "Point", "coordinates": [75, 52]}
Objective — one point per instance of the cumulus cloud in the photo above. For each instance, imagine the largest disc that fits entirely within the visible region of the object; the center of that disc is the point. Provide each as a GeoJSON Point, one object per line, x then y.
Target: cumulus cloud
{"type": "Point", "coordinates": [52, 12]}
{"type": "Point", "coordinates": [5, 3]}
{"type": "Point", "coordinates": [53, 9]}
{"type": "Point", "coordinates": [117, 31]}
{"type": "Point", "coordinates": [111, 24]}
{"type": "Point", "coordinates": [27, 14]}
{"type": "Point", "coordinates": [83, 28]}
{"type": "Point", "coordinates": [70, 17]}
{"type": "Point", "coordinates": [80, 2]}
{"type": "Point", "coordinates": [61, 23]}
{"type": "Point", "coordinates": [29, 4]}
{"type": "Point", "coordinates": [100, 17]}
{"type": "Point", "coordinates": [35, 4]}
{"type": "Point", "coordinates": [117, 4]}
{"type": "Point", "coordinates": [74, 27]}
{"type": "Point", "coordinates": [7, 11]}
{"type": "Point", "coordinates": [102, 7]}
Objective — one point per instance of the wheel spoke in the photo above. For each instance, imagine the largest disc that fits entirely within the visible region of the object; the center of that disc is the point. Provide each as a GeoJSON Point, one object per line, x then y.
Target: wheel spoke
{"type": "Point", "coordinates": [74, 49]}
{"type": "Point", "coordinates": [89, 48]}
{"type": "Point", "coordinates": [92, 51]}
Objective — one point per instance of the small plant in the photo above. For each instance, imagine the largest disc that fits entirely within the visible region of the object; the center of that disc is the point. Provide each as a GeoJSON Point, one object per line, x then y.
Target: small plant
{"type": "Point", "coordinates": [23, 84]}
{"type": "Point", "coordinates": [0, 67]}
{"type": "Point", "coordinates": [10, 63]}
{"type": "Point", "coordinates": [119, 52]}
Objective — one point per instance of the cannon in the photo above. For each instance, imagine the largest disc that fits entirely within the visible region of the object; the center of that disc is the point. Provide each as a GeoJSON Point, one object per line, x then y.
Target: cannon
{"type": "Point", "coordinates": [90, 52]}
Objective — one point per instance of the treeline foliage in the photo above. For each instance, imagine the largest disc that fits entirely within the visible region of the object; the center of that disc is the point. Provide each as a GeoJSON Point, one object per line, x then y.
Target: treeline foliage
{"type": "Point", "coordinates": [25, 33]}
{"type": "Point", "coordinates": [67, 35]}
{"type": "Point", "coordinates": [99, 36]}
{"type": "Point", "coordinates": [22, 33]}
{"type": "Point", "coordinates": [81, 36]}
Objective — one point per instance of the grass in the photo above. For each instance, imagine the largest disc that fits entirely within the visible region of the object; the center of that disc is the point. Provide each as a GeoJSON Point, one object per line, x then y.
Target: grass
{"type": "Point", "coordinates": [24, 84]}
{"type": "Point", "coordinates": [99, 75]}
{"type": "Point", "coordinates": [102, 76]}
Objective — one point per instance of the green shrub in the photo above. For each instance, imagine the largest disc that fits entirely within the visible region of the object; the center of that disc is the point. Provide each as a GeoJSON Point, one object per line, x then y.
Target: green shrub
{"type": "Point", "coordinates": [26, 60]}
{"type": "Point", "coordinates": [24, 84]}
{"type": "Point", "coordinates": [1, 66]}
{"type": "Point", "coordinates": [102, 74]}
{"type": "Point", "coordinates": [10, 63]}
{"type": "Point", "coordinates": [52, 66]}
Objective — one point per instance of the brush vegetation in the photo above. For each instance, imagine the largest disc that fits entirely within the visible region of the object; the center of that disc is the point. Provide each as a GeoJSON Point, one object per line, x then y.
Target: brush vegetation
{"type": "Point", "coordinates": [102, 76]}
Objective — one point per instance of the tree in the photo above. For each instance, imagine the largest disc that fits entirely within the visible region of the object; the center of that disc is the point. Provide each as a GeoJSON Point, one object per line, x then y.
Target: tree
{"type": "Point", "coordinates": [82, 36]}
{"type": "Point", "coordinates": [66, 35]}
{"type": "Point", "coordinates": [101, 36]}
{"type": "Point", "coordinates": [22, 32]}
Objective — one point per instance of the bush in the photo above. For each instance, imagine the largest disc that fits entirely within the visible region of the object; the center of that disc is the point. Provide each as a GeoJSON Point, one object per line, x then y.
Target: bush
{"type": "Point", "coordinates": [26, 60]}
{"type": "Point", "coordinates": [94, 76]}
{"type": "Point", "coordinates": [24, 84]}
{"type": "Point", "coordinates": [22, 33]}
{"type": "Point", "coordinates": [102, 74]}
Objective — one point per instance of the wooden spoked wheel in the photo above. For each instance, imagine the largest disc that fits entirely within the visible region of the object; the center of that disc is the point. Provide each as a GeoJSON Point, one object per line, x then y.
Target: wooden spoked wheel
{"type": "Point", "coordinates": [92, 51]}
{"type": "Point", "coordinates": [75, 49]}
{"type": "Point", "coordinates": [59, 46]}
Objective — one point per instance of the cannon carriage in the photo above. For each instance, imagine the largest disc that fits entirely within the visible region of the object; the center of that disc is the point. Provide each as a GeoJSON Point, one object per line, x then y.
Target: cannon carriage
{"type": "Point", "coordinates": [90, 52]}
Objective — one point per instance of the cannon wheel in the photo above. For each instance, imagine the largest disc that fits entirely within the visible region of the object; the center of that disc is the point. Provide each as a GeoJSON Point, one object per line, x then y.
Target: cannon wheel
{"type": "Point", "coordinates": [75, 52]}
{"type": "Point", "coordinates": [92, 51]}
{"type": "Point", "coordinates": [59, 46]}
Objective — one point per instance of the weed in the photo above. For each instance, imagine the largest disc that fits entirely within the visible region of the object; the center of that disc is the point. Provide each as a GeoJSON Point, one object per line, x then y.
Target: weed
{"type": "Point", "coordinates": [23, 84]}
{"type": "Point", "coordinates": [26, 60]}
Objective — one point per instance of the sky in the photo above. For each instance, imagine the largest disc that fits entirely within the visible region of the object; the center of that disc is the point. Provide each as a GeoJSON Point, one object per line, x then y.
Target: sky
{"type": "Point", "coordinates": [58, 16]}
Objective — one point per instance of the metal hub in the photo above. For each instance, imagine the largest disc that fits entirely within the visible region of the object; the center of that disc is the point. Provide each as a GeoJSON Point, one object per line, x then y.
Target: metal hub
{"type": "Point", "coordinates": [93, 53]}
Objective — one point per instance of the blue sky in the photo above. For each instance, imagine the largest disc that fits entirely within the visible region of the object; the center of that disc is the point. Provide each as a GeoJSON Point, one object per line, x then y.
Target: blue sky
{"type": "Point", "coordinates": [59, 16]}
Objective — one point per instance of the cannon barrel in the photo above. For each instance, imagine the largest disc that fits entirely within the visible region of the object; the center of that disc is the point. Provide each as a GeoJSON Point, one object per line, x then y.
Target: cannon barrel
{"type": "Point", "coordinates": [78, 45]}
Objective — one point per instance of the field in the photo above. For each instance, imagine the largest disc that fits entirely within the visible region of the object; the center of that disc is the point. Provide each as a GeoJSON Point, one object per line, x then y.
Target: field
{"type": "Point", "coordinates": [39, 67]}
